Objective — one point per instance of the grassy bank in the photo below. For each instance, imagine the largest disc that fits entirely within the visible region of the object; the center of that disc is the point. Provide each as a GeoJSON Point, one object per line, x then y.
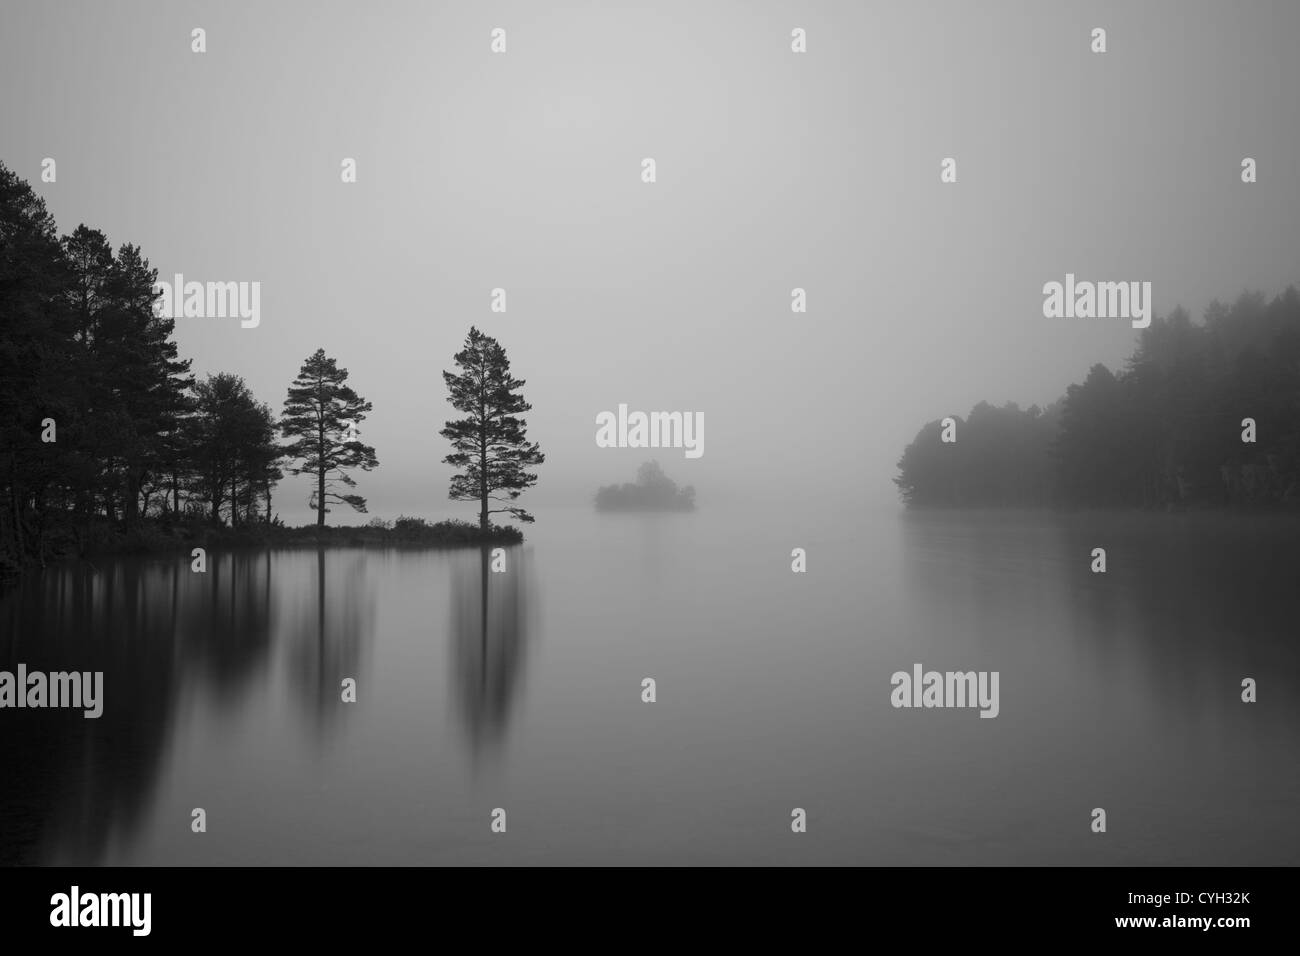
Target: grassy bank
{"type": "Point", "coordinates": [159, 536]}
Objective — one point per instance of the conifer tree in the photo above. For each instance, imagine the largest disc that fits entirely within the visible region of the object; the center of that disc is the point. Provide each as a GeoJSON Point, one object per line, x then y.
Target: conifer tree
{"type": "Point", "coordinates": [491, 449]}
{"type": "Point", "coordinates": [320, 417]}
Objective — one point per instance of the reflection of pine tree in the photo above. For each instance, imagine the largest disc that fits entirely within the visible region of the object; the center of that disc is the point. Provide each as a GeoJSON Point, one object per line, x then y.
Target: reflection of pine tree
{"type": "Point", "coordinates": [489, 635]}
{"type": "Point", "coordinates": [75, 789]}
{"type": "Point", "coordinates": [329, 631]}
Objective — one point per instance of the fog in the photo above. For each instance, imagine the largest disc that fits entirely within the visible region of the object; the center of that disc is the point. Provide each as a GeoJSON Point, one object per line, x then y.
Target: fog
{"type": "Point", "coordinates": [522, 171]}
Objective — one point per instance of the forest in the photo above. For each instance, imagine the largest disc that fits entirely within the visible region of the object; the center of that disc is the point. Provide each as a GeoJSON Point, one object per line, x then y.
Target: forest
{"type": "Point", "coordinates": [1203, 415]}
{"type": "Point", "coordinates": [108, 441]}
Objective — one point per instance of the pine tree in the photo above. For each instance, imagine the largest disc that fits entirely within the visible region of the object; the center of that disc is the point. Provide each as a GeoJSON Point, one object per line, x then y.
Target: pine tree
{"type": "Point", "coordinates": [490, 447]}
{"type": "Point", "coordinates": [36, 368]}
{"type": "Point", "coordinates": [230, 448]}
{"type": "Point", "coordinates": [149, 381]}
{"type": "Point", "coordinates": [320, 415]}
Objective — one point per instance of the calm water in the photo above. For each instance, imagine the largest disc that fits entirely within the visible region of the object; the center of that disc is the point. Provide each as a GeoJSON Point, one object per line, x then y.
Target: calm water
{"type": "Point", "coordinates": [1121, 690]}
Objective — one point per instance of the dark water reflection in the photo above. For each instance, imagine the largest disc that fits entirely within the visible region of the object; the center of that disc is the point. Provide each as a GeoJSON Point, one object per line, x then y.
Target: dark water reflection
{"type": "Point", "coordinates": [489, 636]}
{"type": "Point", "coordinates": [327, 633]}
{"type": "Point", "coordinates": [1133, 677]}
{"type": "Point", "coordinates": [156, 631]}
{"type": "Point", "coordinates": [478, 689]}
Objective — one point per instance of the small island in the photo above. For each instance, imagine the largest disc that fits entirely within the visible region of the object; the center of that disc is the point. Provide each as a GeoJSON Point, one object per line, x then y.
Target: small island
{"type": "Point", "coordinates": [653, 491]}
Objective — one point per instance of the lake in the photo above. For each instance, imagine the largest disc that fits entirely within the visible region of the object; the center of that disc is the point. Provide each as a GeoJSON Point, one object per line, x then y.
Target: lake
{"type": "Point", "coordinates": [522, 690]}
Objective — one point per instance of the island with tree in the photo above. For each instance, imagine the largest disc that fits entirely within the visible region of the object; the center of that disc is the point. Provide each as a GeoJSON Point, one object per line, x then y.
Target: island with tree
{"type": "Point", "coordinates": [652, 491]}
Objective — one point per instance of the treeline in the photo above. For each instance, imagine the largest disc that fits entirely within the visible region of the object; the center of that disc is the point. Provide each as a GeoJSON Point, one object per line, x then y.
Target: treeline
{"type": "Point", "coordinates": [653, 491]}
{"type": "Point", "coordinates": [102, 424]}
{"type": "Point", "coordinates": [1168, 431]}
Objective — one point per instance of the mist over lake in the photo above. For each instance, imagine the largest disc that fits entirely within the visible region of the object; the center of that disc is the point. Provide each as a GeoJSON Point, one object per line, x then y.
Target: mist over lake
{"type": "Point", "coordinates": [773, 692]}
{"type": "Point", "coordinates": [356, 508]}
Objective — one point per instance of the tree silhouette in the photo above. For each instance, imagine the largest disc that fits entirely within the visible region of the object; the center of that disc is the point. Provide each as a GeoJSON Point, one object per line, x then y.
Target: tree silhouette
{"type": "Point", "coordinates": [320, 415]}
{"type": "Point", "coordinates": [1165, 432]}
{"type": "Point", "coordinates": [230, 439]}
{"type": "Point", "coordinates": [653, 491]}
{"type": "Point", "coordinates": [490, 447]}
{"type": "Point", "coordinates": [143, 391]}
{"type": "Point", "coordinates": [102, 426]}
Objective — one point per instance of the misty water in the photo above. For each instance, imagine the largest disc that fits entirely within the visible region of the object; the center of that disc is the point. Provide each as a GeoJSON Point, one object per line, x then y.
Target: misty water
{"type": "Point", "coordinates": [1121, 691]}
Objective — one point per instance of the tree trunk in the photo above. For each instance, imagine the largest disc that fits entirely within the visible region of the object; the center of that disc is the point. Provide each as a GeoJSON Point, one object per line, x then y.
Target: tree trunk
{"type": "Point", "coordinates": [320, 480]}
{"type": "Point", "coordinates": [130, 498]}
{"type": "Point", "coordinates": [483, 468]}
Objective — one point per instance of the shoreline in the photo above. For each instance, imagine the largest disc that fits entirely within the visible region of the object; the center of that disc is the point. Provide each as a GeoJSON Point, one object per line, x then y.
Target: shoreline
{"type": "Point", "coordinates": [155, 537]}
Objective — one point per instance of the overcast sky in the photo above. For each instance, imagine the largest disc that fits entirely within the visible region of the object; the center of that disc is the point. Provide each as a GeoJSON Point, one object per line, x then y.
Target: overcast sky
{"type": "Point", "coordinates": [775, 170]}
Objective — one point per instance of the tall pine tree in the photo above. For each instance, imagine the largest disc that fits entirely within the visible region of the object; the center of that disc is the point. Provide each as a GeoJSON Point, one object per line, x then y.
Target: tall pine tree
{"type": "Point", "coordinates": [36, 369]}
{"type": "Point", "coordinates": [320, 415]}
{"type": "Point", "coordinates": [491, 450]}
{"type": "Point", "coordinates": [149, 381]}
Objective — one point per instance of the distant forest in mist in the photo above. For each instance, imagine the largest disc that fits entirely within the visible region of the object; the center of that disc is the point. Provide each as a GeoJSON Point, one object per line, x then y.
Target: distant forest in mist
{"type": "Point", "coordinates": [1164, 432]}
